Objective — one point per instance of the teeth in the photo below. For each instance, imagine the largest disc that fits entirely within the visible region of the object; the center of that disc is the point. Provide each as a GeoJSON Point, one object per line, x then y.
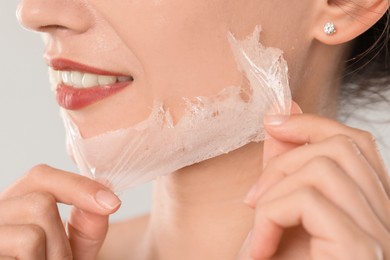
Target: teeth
{"type": "Point", "coordinates": [90, 80]}
{"type": "Point", "coordinates": [55, 78]}
{"type": "Point", "coordinates": [66, 77]}
{"type": "Point", "coordinates": [106, 80]}
{"type": "Point", "coordinates": [78, 79]}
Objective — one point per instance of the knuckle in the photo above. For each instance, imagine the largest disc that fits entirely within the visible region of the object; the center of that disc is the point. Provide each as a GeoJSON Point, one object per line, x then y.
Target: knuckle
{"type": "Point", "coordinates": [367, 140]}
{"type": "Point", "coordinates": [37, 171]}
{"type": "Point", "coordinates": [33, 237]}
{"type": "Point", "coordinates": [366, 136]}
{"type": "Point", "coordinates": [345, 145]}
{"type": "Point", "coordinates": [342, 141]}
{"type": "Point", "coordinates": [321, 164]}
{"type": "Point", "coordinates": [308, 195]}
{"type": "Point", "coordinates": [34, 174]}
{"type": "Point", "coordinates": [323, 170]}
{"type": "Point", "coordinates": [41, 203]}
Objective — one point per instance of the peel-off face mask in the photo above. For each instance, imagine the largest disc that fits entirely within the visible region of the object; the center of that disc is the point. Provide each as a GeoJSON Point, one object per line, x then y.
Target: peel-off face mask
{"type": "Point", "coordinates": [211, 126]}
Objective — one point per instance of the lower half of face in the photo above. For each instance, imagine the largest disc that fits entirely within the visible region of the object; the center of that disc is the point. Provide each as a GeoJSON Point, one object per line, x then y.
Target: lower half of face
{"type": "Point", "coordinates": [171, 48]}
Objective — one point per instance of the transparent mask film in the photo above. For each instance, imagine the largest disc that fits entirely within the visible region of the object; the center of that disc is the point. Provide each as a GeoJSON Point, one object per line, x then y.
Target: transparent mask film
{"type": "Point", "coordinates": [211, 126]}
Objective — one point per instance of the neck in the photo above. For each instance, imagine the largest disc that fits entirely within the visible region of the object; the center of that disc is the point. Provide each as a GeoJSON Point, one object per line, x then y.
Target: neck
{"type": "Point", "coordinates": [199, 210]}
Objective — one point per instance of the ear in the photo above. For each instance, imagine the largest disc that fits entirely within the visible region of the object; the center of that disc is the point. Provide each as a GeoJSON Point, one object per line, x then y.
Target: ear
{"type": "Point", "coordinates": [350, 17]}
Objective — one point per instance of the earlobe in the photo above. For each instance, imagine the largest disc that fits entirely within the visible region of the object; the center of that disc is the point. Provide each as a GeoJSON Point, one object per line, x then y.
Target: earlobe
{"type": "Point", "coordinates": [341, 21]}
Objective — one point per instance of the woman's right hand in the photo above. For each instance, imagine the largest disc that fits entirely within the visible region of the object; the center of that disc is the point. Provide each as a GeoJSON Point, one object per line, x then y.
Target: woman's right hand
{"type": "Point", "coordinates": [31, 227]}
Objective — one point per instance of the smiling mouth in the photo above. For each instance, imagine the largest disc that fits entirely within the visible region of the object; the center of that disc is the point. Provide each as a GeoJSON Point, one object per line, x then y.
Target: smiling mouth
{"type": "Point", "coordinates": [80, 80]}
{"type": "Point", "coordinates": [78, 86]}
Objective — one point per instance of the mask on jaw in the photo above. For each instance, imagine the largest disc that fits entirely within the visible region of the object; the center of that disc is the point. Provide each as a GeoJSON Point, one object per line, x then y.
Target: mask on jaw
{"type": "Point", "coordinates": [211, 126]}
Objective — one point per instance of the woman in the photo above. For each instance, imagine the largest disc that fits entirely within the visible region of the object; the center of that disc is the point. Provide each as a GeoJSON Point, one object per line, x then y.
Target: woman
{"type": "Point", "coordinates": [323, 185]}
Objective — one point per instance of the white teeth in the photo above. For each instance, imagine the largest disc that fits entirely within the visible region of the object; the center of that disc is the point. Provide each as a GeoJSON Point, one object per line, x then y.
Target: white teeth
{"type": "Point", "coordinates": [78, 79]}
{"type": "Point", "coordinates": [106, 80]}
{"type": "Point", "coordinates": [90, 80]}
{"type": "Point", "coordinates": [66, 77]}
{"type": "Point", "coordinates": [54, 77]}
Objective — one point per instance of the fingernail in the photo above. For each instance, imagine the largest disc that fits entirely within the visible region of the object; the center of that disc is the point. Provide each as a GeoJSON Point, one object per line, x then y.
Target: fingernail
{"type": "Point", "coordinates": [107, 199]}
{"type": "Point", "coordinates": [251, 194]}
{"type": "Point", "coordinates": [275, 120]}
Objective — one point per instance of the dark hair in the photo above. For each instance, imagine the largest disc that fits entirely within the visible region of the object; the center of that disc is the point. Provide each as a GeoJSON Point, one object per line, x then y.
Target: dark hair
{"type": "Point", "coordinates": [367, 73]}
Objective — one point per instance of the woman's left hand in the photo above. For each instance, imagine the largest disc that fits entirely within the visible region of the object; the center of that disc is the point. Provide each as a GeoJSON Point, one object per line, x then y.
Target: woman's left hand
{"type": "Point", "coordinates": [330, 180]}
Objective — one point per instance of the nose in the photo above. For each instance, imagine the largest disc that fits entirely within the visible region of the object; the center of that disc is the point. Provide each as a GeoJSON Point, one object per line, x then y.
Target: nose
{"type": "Point", "coordinates": [51, 16]}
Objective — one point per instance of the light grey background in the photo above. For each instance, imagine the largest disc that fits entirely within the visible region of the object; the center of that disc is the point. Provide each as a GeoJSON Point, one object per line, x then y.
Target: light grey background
{"type": "Point", "coordinates": [31, 131]}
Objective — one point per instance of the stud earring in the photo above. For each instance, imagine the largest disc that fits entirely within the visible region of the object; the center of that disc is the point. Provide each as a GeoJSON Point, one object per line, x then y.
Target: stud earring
{"type": "Point", "coordinates": [329, 28]}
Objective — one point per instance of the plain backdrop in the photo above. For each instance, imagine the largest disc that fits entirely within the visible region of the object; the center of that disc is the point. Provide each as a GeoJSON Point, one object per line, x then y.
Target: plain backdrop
{"type": "Point", "coordinates": [31, 131]}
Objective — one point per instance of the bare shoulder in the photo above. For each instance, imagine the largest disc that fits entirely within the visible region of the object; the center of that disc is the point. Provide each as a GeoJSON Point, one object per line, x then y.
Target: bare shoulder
{"type": "Point", "coordinates": [124, 238]}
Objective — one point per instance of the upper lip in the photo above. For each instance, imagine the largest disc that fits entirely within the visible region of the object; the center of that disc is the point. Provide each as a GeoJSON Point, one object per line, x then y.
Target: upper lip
{"type": "Point", "coordinates": [68, 65]}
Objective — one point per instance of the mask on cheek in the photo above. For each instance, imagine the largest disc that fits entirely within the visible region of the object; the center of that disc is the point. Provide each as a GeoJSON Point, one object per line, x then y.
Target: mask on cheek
{"type": "Point", "coordinates": [211, 126]}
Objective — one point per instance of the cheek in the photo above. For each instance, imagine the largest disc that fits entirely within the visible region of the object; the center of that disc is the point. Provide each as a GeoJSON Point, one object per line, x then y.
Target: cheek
{"type": "Point", "coordinates": [181, 48]}
{"type": "Point", "coordinates": [174, 49]}
{"type": "Point", "coordinates": [287, 26]}
{"type": "Point", "coordinates": [181, 45]}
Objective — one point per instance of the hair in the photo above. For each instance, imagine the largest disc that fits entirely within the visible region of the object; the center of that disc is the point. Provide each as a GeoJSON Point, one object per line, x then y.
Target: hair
{"type": "Point", "coordinates": [367, 73]}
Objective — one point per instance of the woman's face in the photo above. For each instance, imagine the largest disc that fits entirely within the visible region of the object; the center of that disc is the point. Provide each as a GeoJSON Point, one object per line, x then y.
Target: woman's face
{"type": "Point", "coordinates": [171, 48]}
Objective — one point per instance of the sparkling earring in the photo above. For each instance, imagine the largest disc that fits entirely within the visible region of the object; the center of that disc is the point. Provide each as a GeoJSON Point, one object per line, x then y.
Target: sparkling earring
{"type": "Point", "coordinates": [329, 28]}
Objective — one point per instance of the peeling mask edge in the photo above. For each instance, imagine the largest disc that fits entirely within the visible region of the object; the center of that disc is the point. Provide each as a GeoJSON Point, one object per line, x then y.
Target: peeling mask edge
{"type": "Point", "coordinates": [211, 126]}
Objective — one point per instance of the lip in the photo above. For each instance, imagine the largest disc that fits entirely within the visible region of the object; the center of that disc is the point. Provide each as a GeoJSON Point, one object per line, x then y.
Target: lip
{"type": "Point", "coordinates": [64, 64]}
{"type": "Point", "coordinates": [72, 98]}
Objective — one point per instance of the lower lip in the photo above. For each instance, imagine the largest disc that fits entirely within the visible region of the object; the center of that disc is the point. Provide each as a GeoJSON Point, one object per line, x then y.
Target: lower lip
{"type": "Point", "coordinates": [72, 98]}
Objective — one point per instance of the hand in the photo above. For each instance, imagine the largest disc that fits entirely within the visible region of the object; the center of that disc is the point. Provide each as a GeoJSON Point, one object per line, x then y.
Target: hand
{"type": "Point", "coordinates": [31, 227]}
{"type": "Point", "coordinates": [333, 184]}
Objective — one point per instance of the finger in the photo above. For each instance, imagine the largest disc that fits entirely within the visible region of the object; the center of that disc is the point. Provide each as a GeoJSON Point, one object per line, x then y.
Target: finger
{"type": "Point", "coordinates": [325, 176]}
{"type": "Point", "coordinates": [38, 209]}
{"type": "Point", "coordinates": [345, 153]}
{"type": "Point", "coordinates": [302, 129]}
{"type": "Point", "coordinates": [87, 232]}
{"type": "Point", "coordinates": [22, 242]}
{"type": "Point", "coordinates": [274, 147]}
{"type": "Point", "coordinates": [82, 192]}
{"type": "Point", "coordinates": [66, 188]}
{"type": "Point", "coordinates": [332, 231]}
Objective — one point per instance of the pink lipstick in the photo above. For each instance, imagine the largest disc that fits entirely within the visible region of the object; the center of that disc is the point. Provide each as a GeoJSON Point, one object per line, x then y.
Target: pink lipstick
{"type": "Point", "coordinates": [77, 85]}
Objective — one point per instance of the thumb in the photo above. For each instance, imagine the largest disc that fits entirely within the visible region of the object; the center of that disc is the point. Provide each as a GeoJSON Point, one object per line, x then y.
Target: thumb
{"type": "Point", "coordinates": [274, 147]}
{"type": "Point", "coordinates": [87, 232]}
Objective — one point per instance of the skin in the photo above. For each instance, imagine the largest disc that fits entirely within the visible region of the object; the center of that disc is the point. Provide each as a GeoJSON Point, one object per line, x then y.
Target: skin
{"type": "Point", "coordinates": [304, 174]}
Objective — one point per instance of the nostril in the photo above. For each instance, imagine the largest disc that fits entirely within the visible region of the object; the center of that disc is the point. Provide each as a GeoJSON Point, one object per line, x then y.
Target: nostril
{"type": "Point", "coordinates": [47, 28]}
{"type": "Point", "coordinates": [54, 15]}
